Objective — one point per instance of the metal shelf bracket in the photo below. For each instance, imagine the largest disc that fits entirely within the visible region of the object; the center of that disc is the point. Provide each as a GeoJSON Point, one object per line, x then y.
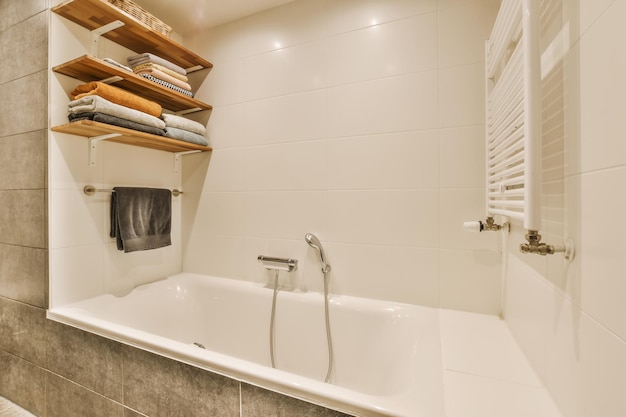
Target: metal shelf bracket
{"type": "Point", "coordinates": [177, 156]}
{"type": "Point", "coordinates": [96, 33]}
{"type": "Point", "coordinates": [93, 145]}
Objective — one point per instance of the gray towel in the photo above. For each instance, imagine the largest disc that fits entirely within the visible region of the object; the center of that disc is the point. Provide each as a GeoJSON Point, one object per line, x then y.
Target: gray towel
{"type": "Point", "coordinates": [115, 121]}
{"type": "Point", "coordinates": [173, 120]}
{"type": "Point", "coordinates": [184, 135]}
{"type": "Point", "coordinates": [141, 218]}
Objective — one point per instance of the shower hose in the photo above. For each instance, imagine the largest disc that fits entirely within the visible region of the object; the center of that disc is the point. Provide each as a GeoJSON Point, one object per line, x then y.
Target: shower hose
{"type": "Point", "coordinates": [327, 317]}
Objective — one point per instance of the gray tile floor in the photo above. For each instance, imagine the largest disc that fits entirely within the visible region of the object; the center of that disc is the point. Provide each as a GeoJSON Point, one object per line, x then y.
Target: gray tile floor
{"type": "Point", "coordinates": [8, 409]}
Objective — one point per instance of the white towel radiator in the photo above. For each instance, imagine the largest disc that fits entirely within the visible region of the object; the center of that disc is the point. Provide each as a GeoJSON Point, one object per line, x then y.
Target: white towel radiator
{"type": "Point", "coordinates": [513, 118]}
{"type": "Point", "coordinates": [513, 122]}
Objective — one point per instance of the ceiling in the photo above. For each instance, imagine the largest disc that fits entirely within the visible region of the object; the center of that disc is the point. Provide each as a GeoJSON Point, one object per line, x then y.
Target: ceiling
{"type": "Point", "coordinates": [190, 16]}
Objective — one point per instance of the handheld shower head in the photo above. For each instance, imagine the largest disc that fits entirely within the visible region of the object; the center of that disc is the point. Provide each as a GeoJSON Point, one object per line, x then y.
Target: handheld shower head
{"type": "Point", "coordinates": [315, 243]}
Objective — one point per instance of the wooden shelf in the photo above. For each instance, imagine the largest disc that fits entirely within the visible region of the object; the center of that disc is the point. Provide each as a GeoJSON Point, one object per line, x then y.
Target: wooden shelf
{"type": "Point", "coordinates": [138, 37]}
{"type": "Point", "coordinates": [134, 35]}
{"type": "Point", "coordinates": [87, 69]}
{"type": "Point", "coordinates": [88, 128]}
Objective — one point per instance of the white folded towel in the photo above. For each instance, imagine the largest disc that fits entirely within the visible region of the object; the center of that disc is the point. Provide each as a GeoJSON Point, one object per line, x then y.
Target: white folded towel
{"type": "Point", "coordinates": [147, 57]}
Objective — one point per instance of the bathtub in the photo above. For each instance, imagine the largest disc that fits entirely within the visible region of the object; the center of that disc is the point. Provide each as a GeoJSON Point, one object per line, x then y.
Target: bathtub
{"type": "Point", "coordinates": [387, 356]}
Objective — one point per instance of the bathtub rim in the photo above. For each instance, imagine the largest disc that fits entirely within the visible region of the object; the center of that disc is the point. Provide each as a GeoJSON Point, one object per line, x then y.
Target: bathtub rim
{"type": "Point", "coordinates": [303, 388]}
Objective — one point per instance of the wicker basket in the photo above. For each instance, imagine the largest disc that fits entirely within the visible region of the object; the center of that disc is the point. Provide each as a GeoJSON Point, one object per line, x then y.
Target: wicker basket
{"type": "Point", "coordinates": [142, 15]}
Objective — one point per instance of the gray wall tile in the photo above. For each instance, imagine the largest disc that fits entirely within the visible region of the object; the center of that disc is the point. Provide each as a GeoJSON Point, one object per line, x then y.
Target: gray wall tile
{"type": "Point", "coordinates": [13, 12]}
{"type": "Point", "coordinates": [23, 383]}
{"type": "Point", "coordinates": [24, 274]}
{"type": "Point", "coordinates": [23, 218]}
{"type": "Point", "coordinates": [67, 399]}
{"type": "Point", "coordinates": [23, 161]}
{"type": "Point", "coordinates": [87, 359]}
{"type": "Point", "coordinates": [161, 387]}
{"type": "Point", "coordinates": [9, 409]}
{"type": "Point", "coordinates": [21, 45]}
{"type": "Point", "coordinates": [258, 402]}
{"type": "Point", "coordinates": [130, 413]}
{"type": "Point", "coordinates": [22, 331]}
{"type": "Point", "coordinates": [23, 104]}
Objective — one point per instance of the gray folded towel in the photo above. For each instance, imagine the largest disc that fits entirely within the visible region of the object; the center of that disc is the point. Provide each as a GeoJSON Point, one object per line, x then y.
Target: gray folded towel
{"type": "Point", "coordinates": [115, 121]}
{"type": "Point", "coordinates": [141, 218]}
{"type": "Point", "coordinates": [184, 135]}
{"type": "Point", "coordinates": [173, 120]}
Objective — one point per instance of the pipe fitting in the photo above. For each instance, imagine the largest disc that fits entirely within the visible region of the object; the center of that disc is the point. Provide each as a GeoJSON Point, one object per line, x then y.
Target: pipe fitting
{"type": "Point", "coordinates": [489, 225]}
{"type": "Point", "coordinates": [535, 246]}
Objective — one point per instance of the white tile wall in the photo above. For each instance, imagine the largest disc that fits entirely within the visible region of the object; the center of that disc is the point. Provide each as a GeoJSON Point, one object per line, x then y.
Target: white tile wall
{"type": "Point", "coordinates": [485, 372]}
{"type": "Point", "coordinates": [83, 259]}
{"type": "Point", "coordinates": [570, 319]}
{"type": "Point", "coordinates": [403, 160]}
{"type": "Point", "coordinates": [346, 118]}
{"type": "Point", "coordinates": [407, 102]}
{"type": "Point", "coordinates": [362, 121]}
{"type": "Point", "coordinates": [382, 55]}
{"type": "Point", "coordinates": [349, 124]}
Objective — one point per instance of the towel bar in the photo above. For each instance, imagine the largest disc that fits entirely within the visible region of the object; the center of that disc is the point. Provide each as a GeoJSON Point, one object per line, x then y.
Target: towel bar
{"type": "Point", "coordinates": [91, 190]}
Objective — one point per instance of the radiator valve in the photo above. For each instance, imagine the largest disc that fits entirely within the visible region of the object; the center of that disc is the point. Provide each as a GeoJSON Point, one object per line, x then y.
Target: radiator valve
{"type": "Point", "coordinates": [489, 225]}
{"type": "Point", "coordinates": [535, 245]}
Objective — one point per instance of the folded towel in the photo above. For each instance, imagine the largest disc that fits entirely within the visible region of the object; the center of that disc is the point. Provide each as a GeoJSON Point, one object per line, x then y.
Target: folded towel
{"type": "Point", "coordinates": [115, 121]}
{"type": "Point", "coordinates": [147, 57]}
{"type": "Point", "coordinates": [117, 96]}
{"type": "Point", "coordinates": [163, 76]}
{"type": "Point", "coordinates": [167, 85]}
{"type": "Point", "coordinates": [92, 104]}
{"type": "Point", "coordinates": [180, 134]}
{"type": "Point", "coordinates": [141, 218]}
{"type": "Point", "coordinates": [172, 120]}
{"type": "Point", "coordinates": [117, 64]}
{"type": "Point", "coordinates": [161, 68]}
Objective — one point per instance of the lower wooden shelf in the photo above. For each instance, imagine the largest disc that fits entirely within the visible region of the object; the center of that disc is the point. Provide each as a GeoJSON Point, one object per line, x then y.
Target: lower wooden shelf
{"type": "Point", "coordinates": [89, 128]}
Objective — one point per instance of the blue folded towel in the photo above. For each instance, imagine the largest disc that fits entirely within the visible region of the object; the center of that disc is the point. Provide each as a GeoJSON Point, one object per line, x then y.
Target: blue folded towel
{"type": "Point", "coordinates": [141, 218]}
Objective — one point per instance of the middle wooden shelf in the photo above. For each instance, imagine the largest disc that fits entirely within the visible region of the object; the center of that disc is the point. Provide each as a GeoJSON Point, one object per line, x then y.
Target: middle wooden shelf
{"type": "Point", "coordinates": [91, 129]}
{"type": "Point", "coordinates": [88, 68]}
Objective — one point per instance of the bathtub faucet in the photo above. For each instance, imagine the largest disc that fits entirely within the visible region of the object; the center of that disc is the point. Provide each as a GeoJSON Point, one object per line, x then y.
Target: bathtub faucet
{"type": "Point", "coordinates": [278, 264]}
{"type": "Point", "coordinates": [315, 243]}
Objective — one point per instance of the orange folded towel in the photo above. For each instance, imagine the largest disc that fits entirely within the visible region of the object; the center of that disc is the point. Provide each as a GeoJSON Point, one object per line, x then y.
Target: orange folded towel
{"type": "Point", "coordinates": [117, 96]}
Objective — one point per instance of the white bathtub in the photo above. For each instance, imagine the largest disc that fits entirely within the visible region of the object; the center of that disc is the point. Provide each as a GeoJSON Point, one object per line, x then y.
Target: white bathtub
{"type": "Point", "coordinates": [387, 356]}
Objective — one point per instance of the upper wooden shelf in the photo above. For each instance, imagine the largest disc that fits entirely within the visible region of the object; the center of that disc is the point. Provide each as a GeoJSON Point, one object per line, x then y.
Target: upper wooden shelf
{"type": "Point", "coordinates": [87, 68]}
{"type": "Point", "coordinates": [134, 35]}
{"type": "Point", "coordinates": [89, 128]}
